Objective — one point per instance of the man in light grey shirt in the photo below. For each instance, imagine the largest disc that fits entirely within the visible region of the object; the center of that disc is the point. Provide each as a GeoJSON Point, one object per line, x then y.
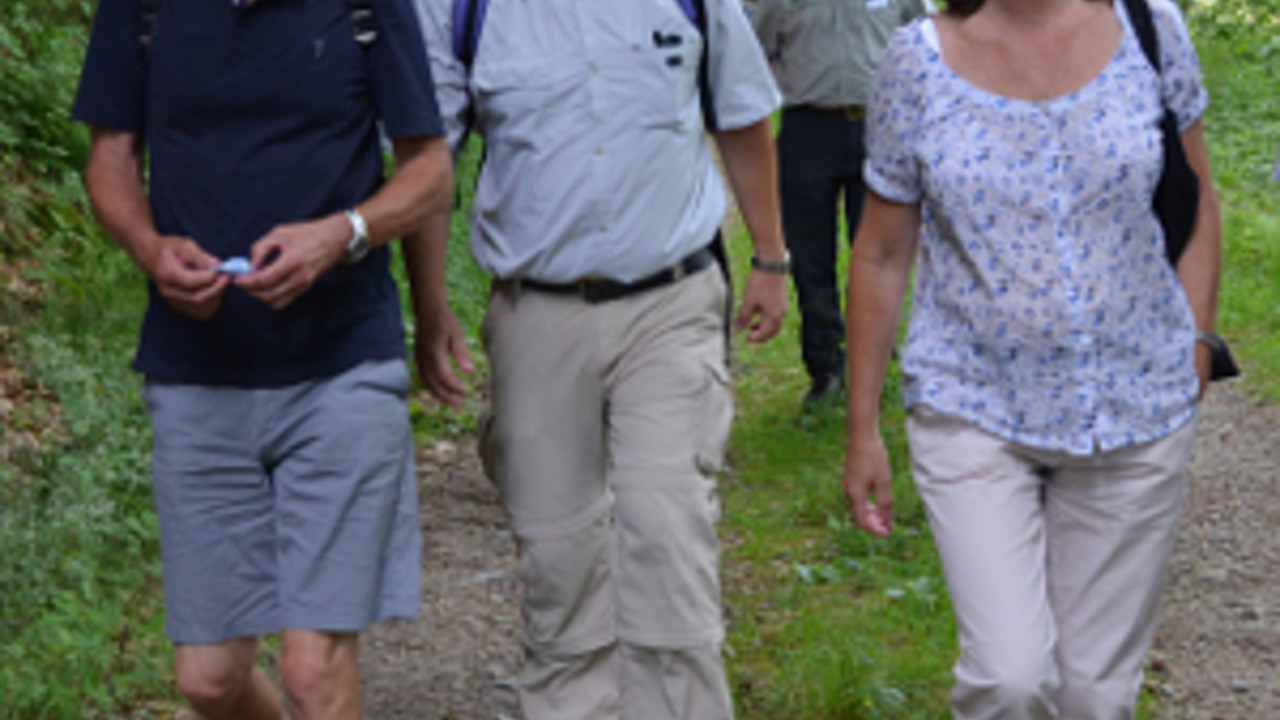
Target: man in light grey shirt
{"type": "Point", "coordinates": [824, 53]}
{"type": "Point", "coordinates": [597, 211]}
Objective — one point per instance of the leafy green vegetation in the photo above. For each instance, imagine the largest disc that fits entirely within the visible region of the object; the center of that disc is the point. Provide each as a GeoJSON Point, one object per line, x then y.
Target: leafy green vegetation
{"type": "Point", "coordinates": [1239, 45]}
{"type": "Point", "coordinates": [79, 612]}
{"type": "Point", "coordinates": [825, 621]}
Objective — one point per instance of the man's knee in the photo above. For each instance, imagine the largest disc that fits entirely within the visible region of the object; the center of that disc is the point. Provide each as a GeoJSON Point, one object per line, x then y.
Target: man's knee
{"type": "Point", "coordinates": [318, 668]}
{"type": "Point", "coordinates": [212, 677]}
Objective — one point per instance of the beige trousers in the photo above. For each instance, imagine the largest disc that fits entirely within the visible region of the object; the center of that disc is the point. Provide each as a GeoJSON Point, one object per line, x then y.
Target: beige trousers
{"type": "Point", "coordinates": [1055, 564]}
{"type": "Point", "coordinates": [606, 428]}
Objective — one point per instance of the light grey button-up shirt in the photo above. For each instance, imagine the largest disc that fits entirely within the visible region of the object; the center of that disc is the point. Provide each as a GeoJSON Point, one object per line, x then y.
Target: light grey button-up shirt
{"type": "Point", "coordinates": [596, 161]}
{"type": "Point", "coordinates": [825, 51]}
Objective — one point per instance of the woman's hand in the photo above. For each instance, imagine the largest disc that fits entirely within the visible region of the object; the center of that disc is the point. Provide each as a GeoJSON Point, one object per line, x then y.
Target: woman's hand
{"type": "Point", "coordinates": [867, 487]}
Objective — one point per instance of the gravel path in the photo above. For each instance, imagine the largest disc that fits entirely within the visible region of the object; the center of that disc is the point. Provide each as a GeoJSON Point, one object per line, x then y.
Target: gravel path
{"type": "Point", "coordinates": [1216, 656]}
{"type": "Point", "coordinates": [457, 662]}
{"type": "Point", "coordinates": [1217, 650]}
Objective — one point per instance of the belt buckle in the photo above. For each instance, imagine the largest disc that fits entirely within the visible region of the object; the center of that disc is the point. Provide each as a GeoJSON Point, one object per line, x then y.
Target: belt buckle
{"type": "Point", "coordinates": [511, 288]}
{"type": "Point", "coordinates": [678, 271]}
{"type": "Point", "coordinates": [592, 291]}
{"type": "Point", "coordinates": [854, 112]}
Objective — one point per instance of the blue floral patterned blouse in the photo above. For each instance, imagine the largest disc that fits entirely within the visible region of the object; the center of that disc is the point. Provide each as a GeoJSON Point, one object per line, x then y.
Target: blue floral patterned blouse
{"type": "Point", "coordinates": [1044, 310]}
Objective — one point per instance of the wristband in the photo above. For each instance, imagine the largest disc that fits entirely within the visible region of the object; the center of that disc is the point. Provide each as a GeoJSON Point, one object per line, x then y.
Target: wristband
{"type": "Point", "coordinates": [1211, 339]}
{"type": "Point", "coordinates": [775, 266]}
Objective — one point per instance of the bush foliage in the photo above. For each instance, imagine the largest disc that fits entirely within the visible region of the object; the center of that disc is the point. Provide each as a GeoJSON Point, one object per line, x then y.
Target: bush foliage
{"type": "Point", "coordinates": [80, 607]}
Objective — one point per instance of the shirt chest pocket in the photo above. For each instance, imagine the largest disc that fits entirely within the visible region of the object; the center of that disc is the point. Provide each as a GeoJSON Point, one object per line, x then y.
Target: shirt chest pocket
{"type": "Point", "coordinates": [655, 83]}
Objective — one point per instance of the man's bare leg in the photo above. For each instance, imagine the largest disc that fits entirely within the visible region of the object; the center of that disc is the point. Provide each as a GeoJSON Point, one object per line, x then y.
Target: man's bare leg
{"type": "Point", "coordinates": [320, 675]}
{"type": "Point", "coordinates": [222, 683]}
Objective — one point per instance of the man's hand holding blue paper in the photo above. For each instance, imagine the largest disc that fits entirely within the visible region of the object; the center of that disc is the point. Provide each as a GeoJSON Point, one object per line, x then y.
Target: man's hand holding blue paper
{"type": "Point", "coordinates": [289, 259]}
{"type": "Point", "coordinates": [181, 271]}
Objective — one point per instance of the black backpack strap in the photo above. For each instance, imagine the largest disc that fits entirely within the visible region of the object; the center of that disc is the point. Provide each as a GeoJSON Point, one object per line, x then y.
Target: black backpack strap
{"type": "Point", "coordinates": [696, 10]}
{"type": "Point", "coordinates": [468, 23]}
{"type": "Point", "coordinates": [147, 12]}
{"type": "Point", "coordinates": [364, 25]}
{"type": "Point", "coordinates": [709, 117]}
{"type": "Point", "coordinates": [1140, 16]}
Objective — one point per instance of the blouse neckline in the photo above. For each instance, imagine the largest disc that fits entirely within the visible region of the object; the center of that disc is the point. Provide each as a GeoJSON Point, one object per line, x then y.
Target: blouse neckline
{"type": "Point", "coordinates": [929, 30]}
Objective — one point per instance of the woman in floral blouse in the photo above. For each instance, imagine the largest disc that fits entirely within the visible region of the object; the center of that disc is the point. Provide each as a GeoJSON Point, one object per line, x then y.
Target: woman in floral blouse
{"type": "Point", "coordinates": [1051, 364]}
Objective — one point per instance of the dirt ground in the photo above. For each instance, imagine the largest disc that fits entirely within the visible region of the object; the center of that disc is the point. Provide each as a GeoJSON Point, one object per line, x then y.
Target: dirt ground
{"type": "Point", "coordinates": [1215, 656]}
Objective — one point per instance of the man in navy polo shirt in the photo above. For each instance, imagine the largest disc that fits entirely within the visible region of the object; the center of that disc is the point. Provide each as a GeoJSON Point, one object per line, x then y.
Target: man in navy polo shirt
{"type": "Point", "coordinates": [272, 345]}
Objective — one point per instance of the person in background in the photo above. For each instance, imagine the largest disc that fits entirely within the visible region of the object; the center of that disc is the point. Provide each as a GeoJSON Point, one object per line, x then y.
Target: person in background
{"type": "Point", "coordinates": [272, 345]}
{"type": "Point", "coordinates": [1054, 358]}
{"type": "Point", "coordinates": [597, 212]}
{"type": "Point", "coordinates": [824, 53]}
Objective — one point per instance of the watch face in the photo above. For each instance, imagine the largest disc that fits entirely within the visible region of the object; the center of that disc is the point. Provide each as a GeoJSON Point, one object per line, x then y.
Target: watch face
{"type": "Point", "coordinates": [357, 248]}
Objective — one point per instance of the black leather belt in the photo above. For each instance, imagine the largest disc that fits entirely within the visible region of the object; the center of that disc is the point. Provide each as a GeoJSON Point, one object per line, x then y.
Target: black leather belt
{"type": "Point", "coordinates": [602, 290]}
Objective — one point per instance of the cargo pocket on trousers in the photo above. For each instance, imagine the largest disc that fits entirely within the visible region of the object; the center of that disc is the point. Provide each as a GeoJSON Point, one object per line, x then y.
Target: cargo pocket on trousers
{"type": "Point", "coordinates": [569, 605]}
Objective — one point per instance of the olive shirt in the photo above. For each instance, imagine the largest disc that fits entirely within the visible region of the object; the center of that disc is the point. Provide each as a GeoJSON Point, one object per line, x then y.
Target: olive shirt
{"type": "Point", "coordinates": [824, 52]}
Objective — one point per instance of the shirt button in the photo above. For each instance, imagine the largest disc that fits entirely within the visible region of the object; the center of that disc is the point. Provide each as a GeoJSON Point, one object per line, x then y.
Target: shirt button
{"type": "Point", "coordinates": [599, 150]}
{"type": "Point", "coordinates": [602, 228]}
{"type": "Point", "coordinates": [593, 67]}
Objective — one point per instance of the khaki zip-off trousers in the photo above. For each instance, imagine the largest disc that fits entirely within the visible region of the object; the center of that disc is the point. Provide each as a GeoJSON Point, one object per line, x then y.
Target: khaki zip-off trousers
{"type": "Point", "coordinates": [1055, 564]}
{"type": "Point", "coordinates": [607, 426]}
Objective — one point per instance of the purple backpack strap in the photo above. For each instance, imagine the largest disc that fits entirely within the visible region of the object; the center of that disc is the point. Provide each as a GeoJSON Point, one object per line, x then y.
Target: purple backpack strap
{"type": "Point", "coordinates": [468, 21]}
{"type": "Point", "coordinates": [690, 11]}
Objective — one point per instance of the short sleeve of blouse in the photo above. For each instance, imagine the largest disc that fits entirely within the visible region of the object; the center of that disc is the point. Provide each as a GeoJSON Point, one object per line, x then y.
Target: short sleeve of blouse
{"type": "Point", "coordinates": [1181, 86]}
{"type": "Point", "coordinates": [895, 115]}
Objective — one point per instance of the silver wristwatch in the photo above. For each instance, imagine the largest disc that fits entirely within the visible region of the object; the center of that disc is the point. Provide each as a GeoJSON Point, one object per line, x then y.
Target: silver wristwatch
{"type": "Point", "coordinates": [358, 246]}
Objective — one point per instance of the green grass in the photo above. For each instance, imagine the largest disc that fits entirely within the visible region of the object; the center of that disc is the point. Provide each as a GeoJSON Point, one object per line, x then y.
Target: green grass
{"type": "Point", "coordinates": [825, 622]}
{"type": "Point", "coordinates": [1239, 44]}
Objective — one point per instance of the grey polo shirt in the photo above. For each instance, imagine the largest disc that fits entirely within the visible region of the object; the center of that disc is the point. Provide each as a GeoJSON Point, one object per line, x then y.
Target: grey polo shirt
{"type": "Point", "coordinates": [596, 161]}
{"type": "Point", "coordinates": [824, 52]}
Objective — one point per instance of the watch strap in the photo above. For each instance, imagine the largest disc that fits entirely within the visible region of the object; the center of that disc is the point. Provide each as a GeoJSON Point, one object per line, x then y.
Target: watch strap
{"type": "Point", "coordinates": [772, 266]}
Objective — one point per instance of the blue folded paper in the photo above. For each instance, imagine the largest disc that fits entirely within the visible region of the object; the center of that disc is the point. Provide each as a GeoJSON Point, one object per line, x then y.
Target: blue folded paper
{"type": "Point", "coordinates": [235, 266]}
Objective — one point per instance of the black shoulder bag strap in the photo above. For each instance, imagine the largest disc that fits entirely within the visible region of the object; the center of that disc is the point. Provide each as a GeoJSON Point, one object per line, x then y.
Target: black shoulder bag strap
{"type": "Point", "coordinates": [711, 122]}
{"type": "Point", "coordinates": [147, 11]}
{"type": "Point", "coordinates": [709, 117]}
{"type": "Point", "coordinates": [1178, 193]}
